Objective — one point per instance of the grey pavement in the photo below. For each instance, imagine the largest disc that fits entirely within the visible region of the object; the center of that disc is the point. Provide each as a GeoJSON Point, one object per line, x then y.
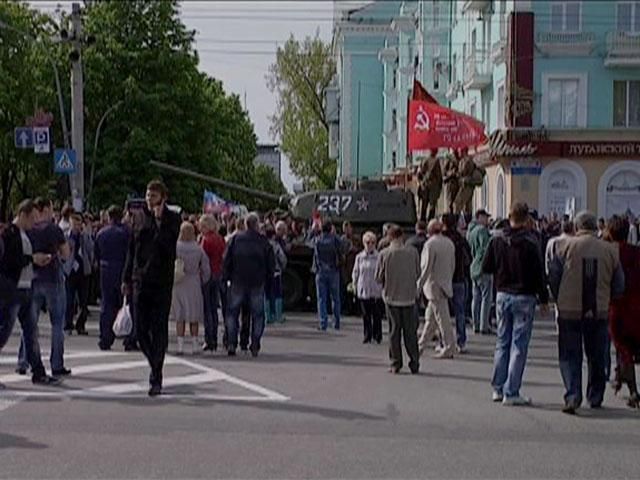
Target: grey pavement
{"type": "Point", "coordinates": [313, 405]}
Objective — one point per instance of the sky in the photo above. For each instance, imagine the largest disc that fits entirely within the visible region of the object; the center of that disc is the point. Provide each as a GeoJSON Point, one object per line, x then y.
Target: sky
{"type": "Point", "coordinates": [237, 41]}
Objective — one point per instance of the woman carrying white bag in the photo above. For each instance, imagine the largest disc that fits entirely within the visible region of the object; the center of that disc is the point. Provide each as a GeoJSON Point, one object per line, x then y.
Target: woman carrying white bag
{"type": "Point", "coordinates": [192, 271]}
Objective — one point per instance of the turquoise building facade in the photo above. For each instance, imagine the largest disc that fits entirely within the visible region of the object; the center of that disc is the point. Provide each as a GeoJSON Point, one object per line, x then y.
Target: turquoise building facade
{"type": "Point", "coordinates": [562, 75]}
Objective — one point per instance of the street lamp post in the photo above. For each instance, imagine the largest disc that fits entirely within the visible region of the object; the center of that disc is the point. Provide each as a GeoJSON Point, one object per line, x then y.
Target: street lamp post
{"type": "Point", "coordinates": [95, 148]}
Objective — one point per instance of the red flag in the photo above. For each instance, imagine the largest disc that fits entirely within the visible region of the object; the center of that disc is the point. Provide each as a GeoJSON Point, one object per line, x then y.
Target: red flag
{"type": "Point", "coordinates": [420, 93]}
{"type": "Point", "coordinates": [432, 126]}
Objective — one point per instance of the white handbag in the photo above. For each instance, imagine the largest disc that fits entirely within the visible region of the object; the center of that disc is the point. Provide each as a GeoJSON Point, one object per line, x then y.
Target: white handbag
{"type": "Point", "coordinates": [123, 325]}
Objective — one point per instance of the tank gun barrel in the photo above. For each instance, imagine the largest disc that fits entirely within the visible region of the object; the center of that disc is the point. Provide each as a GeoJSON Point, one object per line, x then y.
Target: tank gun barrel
{"type": "Point", "coordinates": [217, 182]}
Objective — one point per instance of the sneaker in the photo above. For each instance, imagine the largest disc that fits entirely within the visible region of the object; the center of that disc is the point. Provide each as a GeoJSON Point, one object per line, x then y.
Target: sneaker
{"type": "Point", "coordinates": [516, 401]}
{"type": "Point", "coordinates": [496, 396]}
{"type": "Point", "coordinates": [21, 371]}
{"type": "Point", "coordinates": [231, 353]}
{"type": "Point", "coordinates": [569, 409]}
{"type": "Point", "coordinates": [46, 380]}
{"type": "Point", "coordinates": [461, 349]}
{"type": "Point", "coordinates": [63, 372]}
{"type": "Point", "coordinates": [443, 355]}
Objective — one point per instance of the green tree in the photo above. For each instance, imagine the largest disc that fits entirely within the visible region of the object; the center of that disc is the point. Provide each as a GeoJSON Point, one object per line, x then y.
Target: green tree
{"type": "Point", "coordinates": [302, 72]}
{"type": "Point", "coordinates": [169, 111]}
{"type": "Point", "coordinates": [28, 84]}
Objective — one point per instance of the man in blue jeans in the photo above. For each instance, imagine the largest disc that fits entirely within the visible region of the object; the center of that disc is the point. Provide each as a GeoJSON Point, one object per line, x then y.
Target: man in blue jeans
{"type": "Point", "coordinates": [479, 237]}
{"type": "Point", "coordinates": [16, 268]}
{"type": "Point", "coordinates": [48, 283]}
{"type": "Point", "coordinates": [327, 254]}
{"type": "Point", "coordinates": [460, 276]}
{"type": "Point", "coordinates": [516, 263]}
{"type": "Point", "coordinates": [249, 265]}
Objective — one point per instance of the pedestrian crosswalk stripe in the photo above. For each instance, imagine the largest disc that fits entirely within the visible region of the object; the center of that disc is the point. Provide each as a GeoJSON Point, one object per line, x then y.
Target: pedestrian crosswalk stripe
{"type": "Point", "coordinates": [134, 389]}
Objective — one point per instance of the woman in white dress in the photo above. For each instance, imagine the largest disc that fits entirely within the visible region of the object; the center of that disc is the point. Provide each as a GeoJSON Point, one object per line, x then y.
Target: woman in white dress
{"type": "Point", "coordinates": [187, 304]}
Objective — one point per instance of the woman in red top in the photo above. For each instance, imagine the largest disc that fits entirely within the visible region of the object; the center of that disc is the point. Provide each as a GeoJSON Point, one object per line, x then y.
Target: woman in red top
{"type": "Point", "coordinates": [213, 244]}
{"type": "Point", "coordinates": [624, 313]}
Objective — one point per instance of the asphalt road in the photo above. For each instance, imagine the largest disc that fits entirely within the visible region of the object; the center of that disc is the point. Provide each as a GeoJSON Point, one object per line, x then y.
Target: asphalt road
{"type": "Point", "coordinates": [313, 405]}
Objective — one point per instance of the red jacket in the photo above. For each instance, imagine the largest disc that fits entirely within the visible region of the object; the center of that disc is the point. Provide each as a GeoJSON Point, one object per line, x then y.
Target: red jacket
{"type": "Point", "coordinates": [213, 245]}
{"type": "Point", "coordinates": [624, 313]}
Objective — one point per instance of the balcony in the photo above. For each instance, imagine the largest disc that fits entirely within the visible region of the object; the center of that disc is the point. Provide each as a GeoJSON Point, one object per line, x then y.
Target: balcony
{"type": "Point", "coordinates": [477, 71]}
{"type": "Point", "coordinates": [623, 50]}
{"type": "Point", "coordinates": [498, 51]}
{"type": "Point", "coordinates": [476, 5]}
{"type": "Point", "coordinates": [566, 43]}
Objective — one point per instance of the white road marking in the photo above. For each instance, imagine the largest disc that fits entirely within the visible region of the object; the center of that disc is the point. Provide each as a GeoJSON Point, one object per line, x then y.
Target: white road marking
{"type": "Point", "coordinates": [133, 389]}
{"type": "Point", "coordinates": [11, 358]}
{"type": "Point", "coordinates": [198, 378]}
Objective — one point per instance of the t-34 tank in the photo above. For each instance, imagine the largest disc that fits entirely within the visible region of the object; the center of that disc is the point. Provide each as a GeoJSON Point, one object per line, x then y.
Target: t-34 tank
{"type": "Point", "coordinates": [367, 208]}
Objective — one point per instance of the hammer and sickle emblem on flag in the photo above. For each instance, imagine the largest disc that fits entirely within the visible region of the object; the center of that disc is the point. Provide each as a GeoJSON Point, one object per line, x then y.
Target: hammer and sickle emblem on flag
{"type": "Point", "coordinates": [422, 120]}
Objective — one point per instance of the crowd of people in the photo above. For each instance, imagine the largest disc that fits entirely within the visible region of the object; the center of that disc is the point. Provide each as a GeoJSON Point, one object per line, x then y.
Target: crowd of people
{"type": "Point", "coordinates": [507, 270]}
{"type": "Point", "coordinates": [454, 270]}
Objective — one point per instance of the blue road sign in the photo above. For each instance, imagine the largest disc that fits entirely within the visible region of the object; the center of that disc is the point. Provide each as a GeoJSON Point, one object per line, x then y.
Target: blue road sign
{"type": "Point", "coordinates": [64, 161]}
{"type": "Point", "coordinates": [23, 137]}
{"type": "Point", "coordinates": [41, 139]}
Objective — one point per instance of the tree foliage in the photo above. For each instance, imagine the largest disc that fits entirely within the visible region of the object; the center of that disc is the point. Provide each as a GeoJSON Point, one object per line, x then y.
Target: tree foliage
{"type": "Point", "coordinates": [142, 80]}
{"type": "Point", "coordinates": [27, 83]}
{"type": "Point", "coordinates": [302, 72]}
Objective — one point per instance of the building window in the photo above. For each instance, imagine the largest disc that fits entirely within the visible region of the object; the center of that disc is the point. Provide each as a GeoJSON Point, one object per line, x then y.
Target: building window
{"type": "Point", "coordinates": [500, 100]}
{"type": "Point", "coordinates": [628, 17]}
{"type": "Point", "coordinates": [436, 14]}
{"type": "Point", "coordinates": [454, 68]}
{"type": "Point", "coordinates": [394, 120]}
{"type": "Point", "coordinates": [565, 16]}
{"type": "Point", "coordinates": [503, 19]}
{"type": "Point", "coordinates": [472, 110]}
{"type": "Point", "coordinates": [626, 103]}
{"type": "Point", "coordinates": [563, 102]}
{"type": "Point", "coordinates": [393, 159]}
{"type": "Point", "coordinates": [436, 74]}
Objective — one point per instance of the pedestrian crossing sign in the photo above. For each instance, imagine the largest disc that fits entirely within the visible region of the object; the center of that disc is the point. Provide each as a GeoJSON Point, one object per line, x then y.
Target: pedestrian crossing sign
{"type": "Point", "coordinates": [64, 161]}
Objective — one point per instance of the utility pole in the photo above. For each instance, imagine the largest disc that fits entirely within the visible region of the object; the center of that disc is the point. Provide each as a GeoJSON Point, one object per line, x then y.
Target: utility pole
{"type": "Point", "coordinates": [77, 107]}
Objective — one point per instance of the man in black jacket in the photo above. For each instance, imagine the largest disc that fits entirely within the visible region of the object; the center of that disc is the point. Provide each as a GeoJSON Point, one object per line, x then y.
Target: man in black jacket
{"type": "Point", "coordinates": [420, 238]}
{"type": "Point", "coordinates": [515, 261]}
{"type": "Point", "coordinates": [148, 276]}
{"type": "Point", "coordinates": [249, 264]}
{"type": "Point", "coordinates": [16, 268]}
{"type": "Point", "coordinates": [460, 278]}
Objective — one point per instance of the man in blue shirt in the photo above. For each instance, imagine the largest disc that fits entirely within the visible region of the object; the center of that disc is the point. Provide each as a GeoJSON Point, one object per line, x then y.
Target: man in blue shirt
{"type": "Point", "coordinates": [48, 283]}
{"type": "Point", "coordinates": [111, 252]}
{"type": "Point", "coordinates": [327, 254]}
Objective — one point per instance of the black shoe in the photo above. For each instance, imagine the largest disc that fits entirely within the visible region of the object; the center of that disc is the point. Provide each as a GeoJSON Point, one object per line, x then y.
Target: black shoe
{"type": "Point", "coordinates": [46, 380]}
{"type": "Point", "coordinates": [155, 390]}
{"type": "Point", "coordinates": [231, 353]}
{"type": "Point", "coordinates": [83, 332]}
{"type": "Point", "coordinates": [21, 371]}
{"type": "Point", "coordinates": [569, 409]}
{"type": "Point", "coordinates": [131, 348]}
{"type": "Point", "coordinates": [254, 352]}
{"type": "Point", "coordinates": [415, 371]}
{"type": "Point", "coordinates": [596, 406]}
{"type": "Point", "coordinates": [104, 348]}
{"type": "Point", "coordinates": [63, 372]}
